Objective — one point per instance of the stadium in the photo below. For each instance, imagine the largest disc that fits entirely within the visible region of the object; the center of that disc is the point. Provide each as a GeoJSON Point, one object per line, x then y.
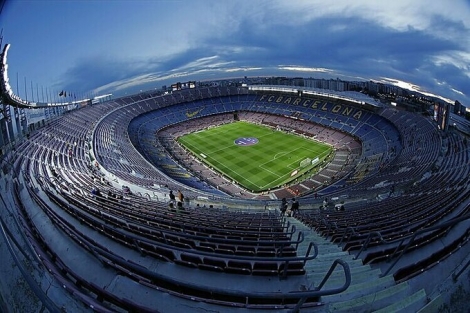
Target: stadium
{"type": "Point", "coordinates": [88, 222]}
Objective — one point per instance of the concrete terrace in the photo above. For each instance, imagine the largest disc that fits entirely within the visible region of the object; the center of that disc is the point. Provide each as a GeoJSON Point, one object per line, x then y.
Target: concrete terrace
{"type": "Point", "coordinates": [66, 249]}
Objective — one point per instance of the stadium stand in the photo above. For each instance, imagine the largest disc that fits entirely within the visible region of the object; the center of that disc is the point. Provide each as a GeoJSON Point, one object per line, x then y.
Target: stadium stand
{"type": "Point", "coordinates": [384, 226]}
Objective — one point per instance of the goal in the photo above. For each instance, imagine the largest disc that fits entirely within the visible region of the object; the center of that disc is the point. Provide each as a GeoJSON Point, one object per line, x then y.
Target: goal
{"type": "Point", "coordinates": [305, 162]}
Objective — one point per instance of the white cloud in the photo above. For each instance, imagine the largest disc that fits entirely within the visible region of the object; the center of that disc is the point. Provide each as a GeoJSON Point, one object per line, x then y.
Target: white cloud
{"type": "Point", "coordinates": [457, 91]}
{"type": "Point", "coordinates": [458, 59]}
{"type": "Point", "coordinates": [299, 68]}
{"type": "Point", "coordinates": [174, 74]}
{"type": "Point", "coordinates": [166, 31]}
{"type": "Point", "coordinates": [124, 83]}
{"type": "Point", "coordinates": [400, 15]}
{"type": "Point", "coordinates": [413, 87]}
{"type": "Point", "coordinates": [242, 69]}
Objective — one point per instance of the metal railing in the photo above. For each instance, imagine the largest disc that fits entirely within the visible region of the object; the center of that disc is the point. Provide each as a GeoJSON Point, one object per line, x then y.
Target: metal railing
{"type": "Point", "coordinates": [329, 225]}
{"type": "Point", "coordinates": [448, 223]}
{"type": "Point", "coordinates": [317, 291]}
{"type": "Point", "coordinates": [349, 229]}
{"type": "Point", "coordinates": [401, 249]}
{"type": "Point", "coordinates": [278, 258]}
{"type": "Point", "coordinates": [366, 243]}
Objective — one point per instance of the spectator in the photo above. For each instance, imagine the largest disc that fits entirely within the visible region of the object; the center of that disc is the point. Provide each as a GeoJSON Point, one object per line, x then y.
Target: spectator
{"type": "Point", "coordinates": [325, 203]}
{"type": "Point", "coordinates": [172, 196]}
{"type": "Point", "coordinates": [289, 212]}
{"type": "Point", "coordinates": [111, 196]}
{"type": "Point", "coordinates": [295, 207]}
{"type": "Point", "coordinates": [283, 207]}
{"type": "Point", "coordinates": [179, 205]}
{"type": "Point", "coordinates": [95, 192]}
{"type": "Point", "coordinates": [104, 181]}
{"type": "Point", "coordinates": [289, 205]}
{"type": "Point", "coordinates": [180, 196]}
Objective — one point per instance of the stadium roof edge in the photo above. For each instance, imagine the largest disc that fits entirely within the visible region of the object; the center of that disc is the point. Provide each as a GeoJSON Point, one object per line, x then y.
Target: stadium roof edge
{"type": "Point", "coordinates": [8, 97]}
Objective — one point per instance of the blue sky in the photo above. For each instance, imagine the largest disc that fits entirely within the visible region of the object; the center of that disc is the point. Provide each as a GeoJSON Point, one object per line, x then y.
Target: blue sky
{"type": "Point", "coordinates": [119, 47]}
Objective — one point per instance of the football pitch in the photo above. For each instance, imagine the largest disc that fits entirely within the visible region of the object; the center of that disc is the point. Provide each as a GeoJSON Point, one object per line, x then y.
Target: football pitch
{"type": "Point", "coordinates": [256, 157]}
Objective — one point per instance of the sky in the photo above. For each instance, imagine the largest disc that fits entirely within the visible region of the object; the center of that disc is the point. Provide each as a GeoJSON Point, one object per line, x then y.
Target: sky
{"type": "Point", "coordinates": [124, 46]}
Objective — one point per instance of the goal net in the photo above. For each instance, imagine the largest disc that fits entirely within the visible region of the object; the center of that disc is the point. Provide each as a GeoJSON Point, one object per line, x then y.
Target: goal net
{"type": "Point", "coordinates": [305, 162]}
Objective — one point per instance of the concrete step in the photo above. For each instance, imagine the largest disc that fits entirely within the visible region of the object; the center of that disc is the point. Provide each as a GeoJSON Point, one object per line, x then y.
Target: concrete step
{"type": "Point", "coordinates": [337, 279]}
{"type": "Point", "coordinates": [324, 267]}
{"type": "Point", "coordinates": [325, 264]}
{"type": "Point", "coordinates": [372, 301]}
{"type": "Point", "coordinates": [368, 291]}
{"type": "Point", "coordinates": [334, 254]}
{"type": "Point", "coordinates": [322, 249]}
{"type": "Point", "coordinates": [322, 244]}
{"type": "Point", "coordinates": [361, 289]}
{"type": "Point", "coordinates": [358, 275]}
{"type": "Point", "coordinates": [433, 306]}
{"type": "Point", "coordinates": [311, 235]}
{"type": "Point", "coordinates": [412, 303]}
{"type": "Point", "coordinates": [321, 271]}
{"type": "Point", "coordinates": [337, 255]}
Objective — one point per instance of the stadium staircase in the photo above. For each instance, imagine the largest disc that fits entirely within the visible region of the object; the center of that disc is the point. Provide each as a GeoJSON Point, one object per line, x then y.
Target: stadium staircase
{"type": "Point", "coordinates": [368, 292]}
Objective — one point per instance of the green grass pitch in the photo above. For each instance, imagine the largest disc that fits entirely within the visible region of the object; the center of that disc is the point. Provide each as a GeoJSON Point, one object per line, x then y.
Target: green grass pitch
{"type": "Point", "coordinates": [267, 164]}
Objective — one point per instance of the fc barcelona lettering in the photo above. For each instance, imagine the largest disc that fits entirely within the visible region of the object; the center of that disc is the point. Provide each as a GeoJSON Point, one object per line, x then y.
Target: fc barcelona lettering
{"type": "Point", "coordinates": [315, 104]}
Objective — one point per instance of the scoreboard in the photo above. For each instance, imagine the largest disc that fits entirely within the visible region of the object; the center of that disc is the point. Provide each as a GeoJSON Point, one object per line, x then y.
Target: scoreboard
{"type": "Point", "coordinates": [442, 115]}
{"type": "Point", "coordinates": [181, 86]}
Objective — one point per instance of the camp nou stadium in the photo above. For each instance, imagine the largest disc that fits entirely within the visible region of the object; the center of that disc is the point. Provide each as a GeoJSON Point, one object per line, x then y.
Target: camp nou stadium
{"type": "Point", "coordinates": [243, 195]}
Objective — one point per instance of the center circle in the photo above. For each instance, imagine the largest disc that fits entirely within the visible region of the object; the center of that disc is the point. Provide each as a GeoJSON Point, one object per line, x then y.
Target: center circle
{"type": "Point", "coordinates": [246, 141]}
